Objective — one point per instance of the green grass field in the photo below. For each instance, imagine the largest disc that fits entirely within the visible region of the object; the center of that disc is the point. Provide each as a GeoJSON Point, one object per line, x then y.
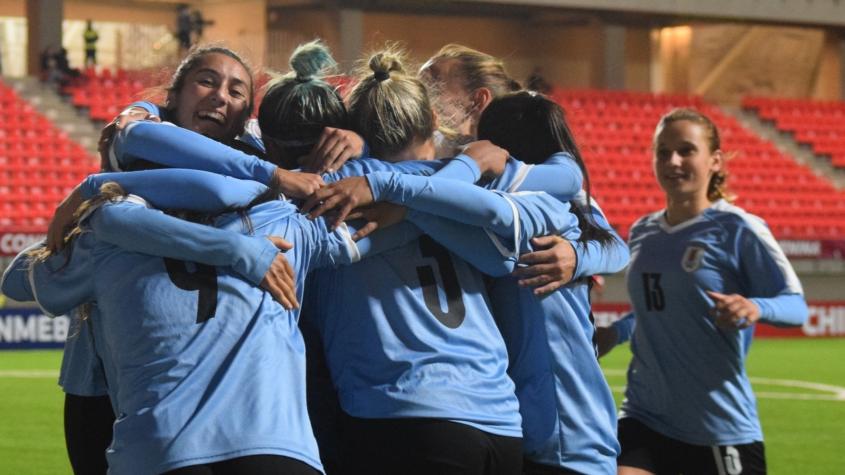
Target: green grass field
{"type": "Point", "coordinates": [804, 424]}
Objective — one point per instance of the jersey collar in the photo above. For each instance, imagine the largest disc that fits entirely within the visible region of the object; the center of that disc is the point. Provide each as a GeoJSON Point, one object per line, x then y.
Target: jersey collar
{"type": "Point", "coordinates": [669, 229]}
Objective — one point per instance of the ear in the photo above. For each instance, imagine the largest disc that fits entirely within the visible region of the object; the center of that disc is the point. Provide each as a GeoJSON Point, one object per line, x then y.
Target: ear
{"type": "Point", "coordinates": [481, 98]}
{"type": "Point", "coordinates": [718, 163]}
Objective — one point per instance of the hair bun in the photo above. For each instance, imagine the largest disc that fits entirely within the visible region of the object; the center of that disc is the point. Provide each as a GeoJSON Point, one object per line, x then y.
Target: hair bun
{"type": "Point", "coordinates": [311, 59]}
{"type": "Point", "coordinates": [382, 64]}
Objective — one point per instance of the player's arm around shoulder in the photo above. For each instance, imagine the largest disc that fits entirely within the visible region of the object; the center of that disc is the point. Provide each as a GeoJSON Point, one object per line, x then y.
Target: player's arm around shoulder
{"type": "Point", "coordinates": [57, 282]}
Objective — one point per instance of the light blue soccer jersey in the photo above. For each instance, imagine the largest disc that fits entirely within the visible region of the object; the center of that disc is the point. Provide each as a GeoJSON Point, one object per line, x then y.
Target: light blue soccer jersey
{"type": "Point", "coordinates": [207, 367]}
{"type": "Point", "coordinates": [516, 175]}
{"type": "Point", "coordinates": [531, 222]}
{"type": "Point", "coordinates": [567, 408]}
{"type": "Point", "coordinates": [416, 338]}
{"type": "Point", "coordinates": [687, 378]}
{"type": "Point", "coordinates": [81, 372]}
{"type": "Point", "coordinates": [568, 412]}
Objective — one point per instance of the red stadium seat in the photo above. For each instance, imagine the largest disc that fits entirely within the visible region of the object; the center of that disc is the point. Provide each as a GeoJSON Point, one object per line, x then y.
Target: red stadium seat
{"type": "Point", "coordinates": [614, 130]}
{"type": "Point", "coordinates": [32, 154]}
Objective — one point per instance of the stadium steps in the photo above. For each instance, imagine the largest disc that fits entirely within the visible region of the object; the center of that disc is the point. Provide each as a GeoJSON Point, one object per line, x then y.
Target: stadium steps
{"type": "Point", "coordinates": [50, 104]}
{"type": "Point", "coordinates": [786, 143]}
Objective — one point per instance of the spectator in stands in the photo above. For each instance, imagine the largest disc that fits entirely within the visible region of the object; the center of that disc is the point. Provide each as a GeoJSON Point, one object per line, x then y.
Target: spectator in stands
{"type": "Point", "coordinates": [198, 24]}
{"type": "Point", "coordinates": [63, 65]}
{"type": "Point", "coordinates": [703, 273]}
{"type": "Point", "coordinates": [49, 71]}
{"type": "Point", "coordinates": [90, 36]}
{"type": "Point", "coordinates": [183, 27]}
{"type": "Point", "coordinates": [55, 68]}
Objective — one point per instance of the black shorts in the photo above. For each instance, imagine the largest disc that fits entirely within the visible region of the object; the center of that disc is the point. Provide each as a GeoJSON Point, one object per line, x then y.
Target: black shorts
{"type": "Point", "coordinates": [424, 447]}
{"type": "Point", "coordinates": [88, 432]}
{"type": "Point", "coordinates": [252, 465]}
{"type": "Point", "coordinates": [649, 450]}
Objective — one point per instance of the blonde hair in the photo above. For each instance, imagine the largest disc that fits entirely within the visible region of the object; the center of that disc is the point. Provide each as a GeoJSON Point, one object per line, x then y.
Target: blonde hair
{"type": "Point", "coordinates": [110, 191]}
{"type": "Point", "coordinates": [388, 107]}
{"type": "Point", "coordinates": [479, 69]}
{"type": "Point", "coordinates": [717, 186]}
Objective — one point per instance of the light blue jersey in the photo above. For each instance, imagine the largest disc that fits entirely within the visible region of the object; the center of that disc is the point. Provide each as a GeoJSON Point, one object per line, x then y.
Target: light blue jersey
{"type": "Point", "coordinates": [81, 372]}
{"type": "Point", "coordinates": [484, 250]}
{"type": "Point", "coordinates": [564, 184]}
{"type": "Point", "coordinates": [567, 408]}
{"type": "Point", "coordinates": [568, 412]}
{"type": "Point", "coordinates": [416, 338]}
{"type": "Point", "coordinates": [207, 367]}
{"type": "Point", "coordinates": [687, 379]}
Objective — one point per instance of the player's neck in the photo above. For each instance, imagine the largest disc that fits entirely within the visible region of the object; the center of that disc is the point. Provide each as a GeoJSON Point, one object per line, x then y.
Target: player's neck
{"type": "Point", "coordinates": [679, 210]}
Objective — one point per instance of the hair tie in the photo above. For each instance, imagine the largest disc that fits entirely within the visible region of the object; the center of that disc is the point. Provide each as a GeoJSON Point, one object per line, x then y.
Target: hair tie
{"type": "Point", "coordinates": [382, 76]}
{"type": "Point", "coordinates": [303, 78]}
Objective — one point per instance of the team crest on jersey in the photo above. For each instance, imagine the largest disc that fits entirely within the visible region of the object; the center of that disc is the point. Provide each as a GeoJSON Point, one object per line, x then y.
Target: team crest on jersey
{"type": "Point", "coordinates": [692, 258]}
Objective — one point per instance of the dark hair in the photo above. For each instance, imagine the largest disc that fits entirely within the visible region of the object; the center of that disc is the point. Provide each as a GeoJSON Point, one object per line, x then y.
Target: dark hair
{"type": "Point", "coordinates": [717, 187]}
{"type": "Point", "coordinates": [532, 127]}
{"type": "Point", "coordinates": [298, 106]}
{"type": "Point", "coordinates": [389, 107]}
{"type": "Point", "coordinates": [192, 60]}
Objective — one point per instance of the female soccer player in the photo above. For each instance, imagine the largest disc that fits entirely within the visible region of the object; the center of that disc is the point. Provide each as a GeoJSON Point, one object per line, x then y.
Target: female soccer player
{"type": "Point", "coordinates": [413, 350]}
{"type": "Point", "coordinates": [202, 350]}
{"type": "Point", "coordinates": [568, 413]}
{"type": "Point", "coordinates": [569, 422]}
{"type": "Point", "coordinates": [381, 421]}
{"type": "Point", "coordinates": [211, 92]}
{"type": "Point", "coordinates": [703, 272]}
{"type": "Point", "coordinates": [463, 82]}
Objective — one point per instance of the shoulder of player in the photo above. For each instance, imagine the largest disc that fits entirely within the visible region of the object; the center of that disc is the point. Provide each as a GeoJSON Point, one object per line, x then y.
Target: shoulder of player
{"type": "Point", "coordinates": [646, 221]}
{"type": "Point", "coordinates": [733, 218]}
{"type": "Point", "coordinates": [559, 157]}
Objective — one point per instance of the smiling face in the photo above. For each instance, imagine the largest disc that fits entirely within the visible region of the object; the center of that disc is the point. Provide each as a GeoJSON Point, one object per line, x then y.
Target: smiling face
{"type": "Point", "coordinates": [214, 97]}
{"type": "Point", "coordinates": [683, 161]}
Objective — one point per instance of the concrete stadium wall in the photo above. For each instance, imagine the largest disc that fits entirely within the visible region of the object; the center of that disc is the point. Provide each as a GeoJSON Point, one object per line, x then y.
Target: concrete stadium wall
{"type": "Point", "coordinates": [569, 55]}
{"type": "Point", "coordinates": [724, 63]}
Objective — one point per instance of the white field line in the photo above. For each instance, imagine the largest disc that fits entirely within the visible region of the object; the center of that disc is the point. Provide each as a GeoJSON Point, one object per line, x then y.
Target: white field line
{"type": "Point", "coordinates": [838, 392]}
{"type": "Point", "coordinates": [29, 374]}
